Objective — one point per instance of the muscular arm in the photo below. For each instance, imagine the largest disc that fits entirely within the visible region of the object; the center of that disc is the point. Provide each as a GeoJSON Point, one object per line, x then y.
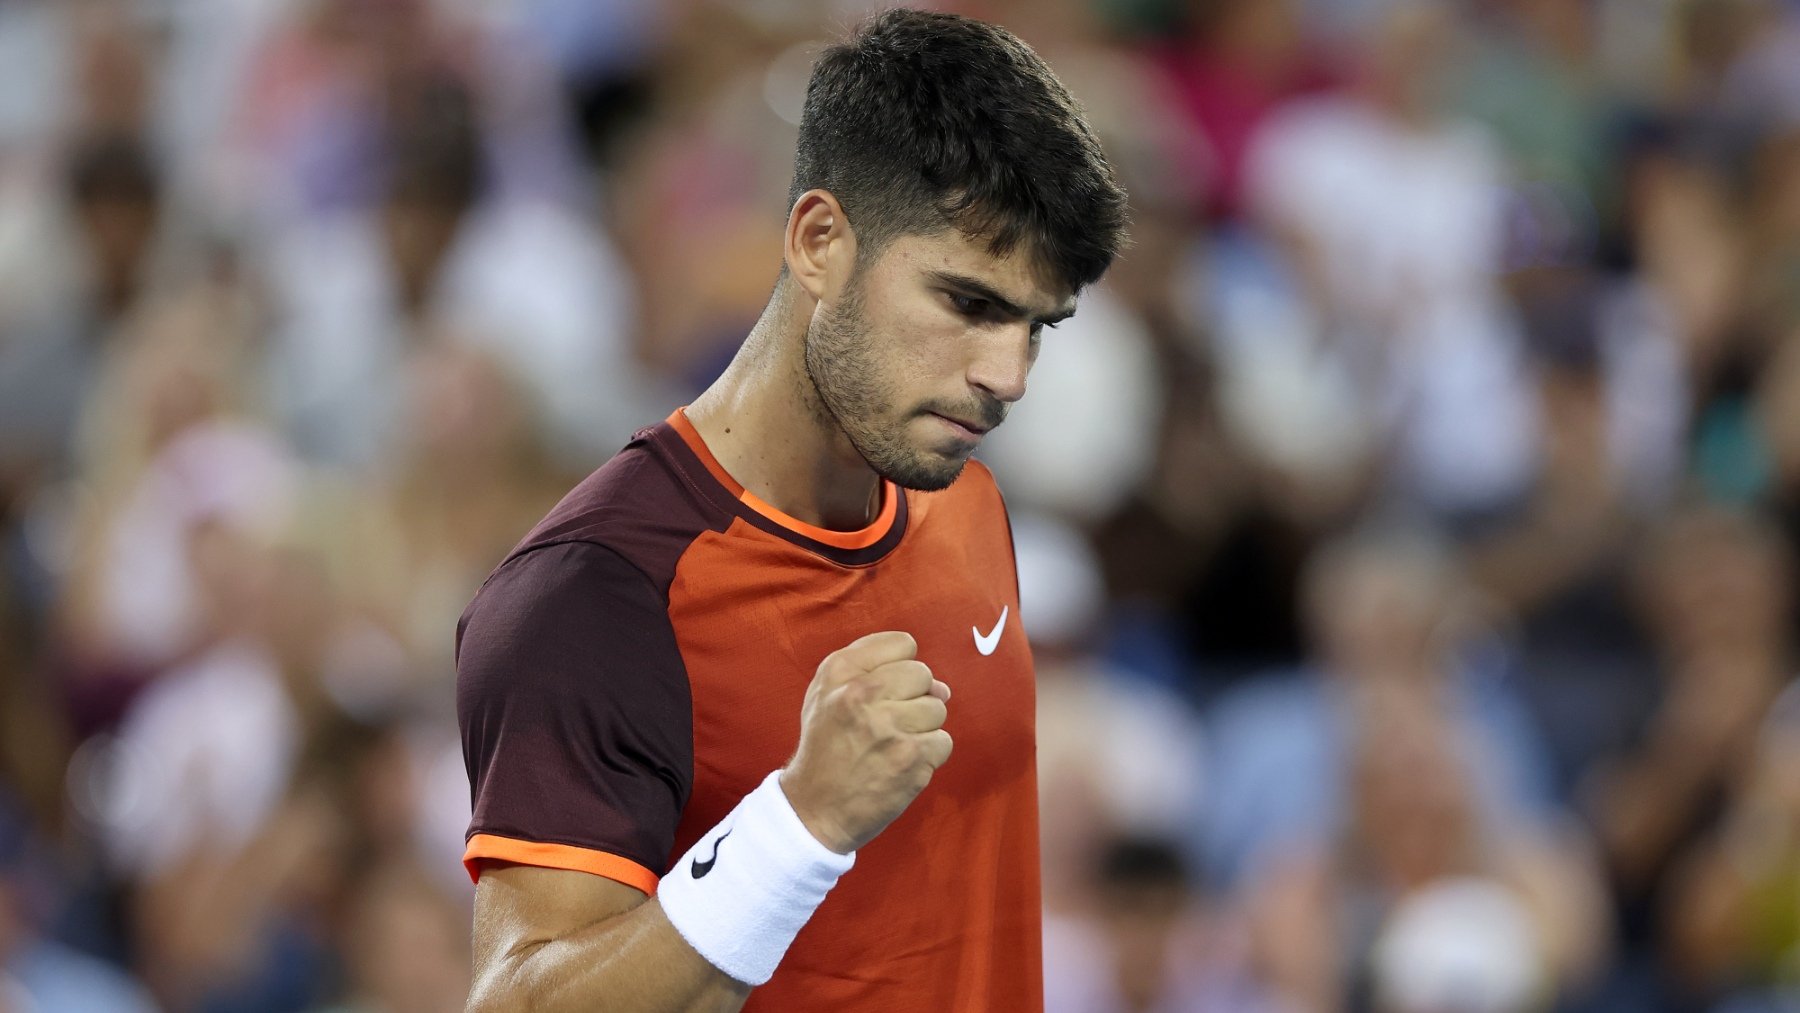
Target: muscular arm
{"type": "Point", "coordinates": [550, 939]}
{"type": "Point", "coordinates": [871, 736]}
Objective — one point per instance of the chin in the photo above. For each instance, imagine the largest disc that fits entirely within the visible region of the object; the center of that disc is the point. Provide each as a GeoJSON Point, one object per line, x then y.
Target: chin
{"type": "Point", "coordinates": [925, 471]}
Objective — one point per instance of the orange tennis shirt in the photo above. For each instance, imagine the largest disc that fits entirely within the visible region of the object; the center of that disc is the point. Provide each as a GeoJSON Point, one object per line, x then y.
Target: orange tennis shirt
{"type": "Point", "coordinates": [637, 665]}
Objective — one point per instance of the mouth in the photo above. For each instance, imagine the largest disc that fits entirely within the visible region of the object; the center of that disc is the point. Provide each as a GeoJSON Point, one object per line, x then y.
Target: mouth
{"type": "Point", "coordinates": [970, 431]}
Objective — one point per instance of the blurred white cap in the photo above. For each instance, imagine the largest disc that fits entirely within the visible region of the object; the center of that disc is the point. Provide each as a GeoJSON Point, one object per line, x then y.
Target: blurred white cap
{"type": "Point", "coordinates": [232, 474]}
{"type": "Point", "coordinates": [1465, 945]}
{"type": "Point", "coordinates": [1061, 593]}
{"type": "Point", "coordinates": [236, 476]}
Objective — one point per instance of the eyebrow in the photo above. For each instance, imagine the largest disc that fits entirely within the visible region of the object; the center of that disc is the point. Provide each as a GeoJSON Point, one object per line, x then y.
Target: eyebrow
{"type": "Point", "coordinates": [981, 290]}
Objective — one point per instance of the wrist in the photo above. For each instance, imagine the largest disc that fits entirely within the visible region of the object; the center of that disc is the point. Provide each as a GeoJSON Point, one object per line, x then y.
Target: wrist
{"type": "Point", "coordinates": [741, 894]}
{"type": "Point", "coordinates": [823, 830]}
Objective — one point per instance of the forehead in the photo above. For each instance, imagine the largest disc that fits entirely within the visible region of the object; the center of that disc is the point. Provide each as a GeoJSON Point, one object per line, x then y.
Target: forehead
{"type": "Point", "coordinates": [1019, 276]}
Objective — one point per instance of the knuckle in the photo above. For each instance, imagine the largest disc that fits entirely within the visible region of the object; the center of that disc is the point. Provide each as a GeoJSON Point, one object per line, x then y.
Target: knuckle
{"type": "Point", "coordinates": [835, 668]}
{"type": "Point", "coordinates": [904, 642]}
{"type": "Point", "coordinates": [857, 692]}
{"type": "Point", "coordinates": [905, 753]}
{"type": "Point", "coordinates": [881, 724]}
{"type": "Point", "coordinates": [924, 717]}
{"type": "Point", "coordinates": [886, 646]}
{"type": "Point", "coordinates": [906, 679]}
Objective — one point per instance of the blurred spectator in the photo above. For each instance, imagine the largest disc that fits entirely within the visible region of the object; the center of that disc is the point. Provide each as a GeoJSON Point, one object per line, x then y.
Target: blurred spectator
{"type": "Point", "coordinates": [129, 601]}
{"type": "Point", "coordinates": [1532, 75]}
{"type": "Point", "coordinates": [1238, 61]}
{"type": "Point", "coordinates": [1717, 595]}
{"type": "Point", "coordinates": [607, 53]}
{"type": "Point", "coordinates": [206, 749]}
{"type": "Point", "coordinates": [320, 85]}
{"type": "Point", "coordinates": [358, 295]}
{"type": "Point", "coordinates": [1734, 914]}
{"type": "Point", "coordinates": [1116, 755]}
{"type": "Point", "coordinates": [35, 739]}
{"type": "Point", "coordinates": [1778, 416]}
{"type": "Point", "coordinates": [1146, 948]}
{"type": "Point", "coordinates": [1390, 620]}
{"type": "Point", "coordinates": [1336, 921]}
{"type": "Point", "coordinates": [36, 971]}
{"type": "Point", "coordinates": [89, 261]}
{"type": "Point", "coordinates": [1613, 395]}
{"type": "Point", "coordinates": [407, 946]}
{"type": "Point", "coordinates": [1388, 215]}
{"type": "Point", "coordinates": [1203, 559]}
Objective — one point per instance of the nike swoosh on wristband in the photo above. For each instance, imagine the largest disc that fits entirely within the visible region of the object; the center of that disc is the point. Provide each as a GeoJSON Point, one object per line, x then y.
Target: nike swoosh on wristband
{"type": "Point", "coordinates": [986, 643]}
{"type": "Point", "coordinates": [700, 869]}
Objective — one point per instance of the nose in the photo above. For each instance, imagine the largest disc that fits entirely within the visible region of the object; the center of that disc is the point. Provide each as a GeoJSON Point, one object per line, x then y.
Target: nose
{"type": "Point", "coordinates": [1002, 359]}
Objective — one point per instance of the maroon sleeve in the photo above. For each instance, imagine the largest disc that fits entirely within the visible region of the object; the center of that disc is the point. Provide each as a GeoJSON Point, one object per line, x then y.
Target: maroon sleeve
{"type": "Point", "coordinates": [577, 726]}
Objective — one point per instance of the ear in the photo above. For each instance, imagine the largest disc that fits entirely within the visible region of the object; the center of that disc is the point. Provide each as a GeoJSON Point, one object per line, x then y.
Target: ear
{"type": "Point", "coordinates": [820, 247]}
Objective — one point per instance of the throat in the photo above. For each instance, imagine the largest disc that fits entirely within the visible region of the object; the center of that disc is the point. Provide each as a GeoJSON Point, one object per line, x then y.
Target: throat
{"type": "Point", "coordinates": [793, 465]}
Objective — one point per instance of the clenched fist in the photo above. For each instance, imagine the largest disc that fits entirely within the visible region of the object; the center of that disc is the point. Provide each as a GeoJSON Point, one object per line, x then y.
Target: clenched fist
{"type": "Point", "coordinates": [871, 734]}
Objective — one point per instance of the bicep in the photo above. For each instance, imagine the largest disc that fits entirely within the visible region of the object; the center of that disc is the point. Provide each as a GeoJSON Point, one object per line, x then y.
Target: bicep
{"type": "Point", "coordinates": [554, 939]}
{"type": "Point", "coordinates": [519, 908]}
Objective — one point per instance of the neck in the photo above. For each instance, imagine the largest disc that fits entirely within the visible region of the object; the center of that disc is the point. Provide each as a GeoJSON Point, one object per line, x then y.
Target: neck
{"type": "Point", "coordinates": [763, 421]}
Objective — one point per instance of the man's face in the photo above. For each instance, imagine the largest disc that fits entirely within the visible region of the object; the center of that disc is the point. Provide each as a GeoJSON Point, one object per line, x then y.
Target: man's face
{"type": "Point", "coordinates": [925, 348]}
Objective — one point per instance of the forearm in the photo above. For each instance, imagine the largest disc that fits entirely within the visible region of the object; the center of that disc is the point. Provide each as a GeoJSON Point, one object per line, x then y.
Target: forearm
{"type": "Point", "coordinates": [634, 961]}
{"type": "Point", "coordinates": [1642, 804]}
{"type": "Point", "coordinates": [721, 920]}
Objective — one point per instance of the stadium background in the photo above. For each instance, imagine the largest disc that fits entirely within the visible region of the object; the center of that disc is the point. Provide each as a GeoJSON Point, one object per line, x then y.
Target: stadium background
{"type": "Point", "coordinates": [1404, 526]}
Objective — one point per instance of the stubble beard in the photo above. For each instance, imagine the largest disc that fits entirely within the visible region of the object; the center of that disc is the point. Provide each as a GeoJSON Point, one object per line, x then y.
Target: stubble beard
{"type": "Point", "coordinates": [846, 394]}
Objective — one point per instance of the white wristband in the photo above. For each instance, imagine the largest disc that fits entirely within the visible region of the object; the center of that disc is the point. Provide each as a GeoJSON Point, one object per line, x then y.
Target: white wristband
{"type": "Point", "coordinates": [741, 894]}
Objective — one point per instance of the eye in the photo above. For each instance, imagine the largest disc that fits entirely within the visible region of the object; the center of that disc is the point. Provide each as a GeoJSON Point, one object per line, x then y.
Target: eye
{"type": "Point", "coordinates": [1037, 329]}
{"type": "Point", "coordinates": [969, 306]}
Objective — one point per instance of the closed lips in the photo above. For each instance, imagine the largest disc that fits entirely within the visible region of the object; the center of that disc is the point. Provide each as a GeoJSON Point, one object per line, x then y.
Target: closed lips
{"type": "Point", "coordinates": [970, 426]}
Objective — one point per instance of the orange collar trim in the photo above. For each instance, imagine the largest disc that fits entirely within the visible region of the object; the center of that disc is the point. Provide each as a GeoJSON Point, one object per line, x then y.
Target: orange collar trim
{"type": "Point", "coordinates": [875, 532]}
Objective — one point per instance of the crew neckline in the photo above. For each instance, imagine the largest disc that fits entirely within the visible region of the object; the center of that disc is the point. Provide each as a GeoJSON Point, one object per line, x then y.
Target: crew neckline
{"type": "Point", "coordinates": [862, 538]}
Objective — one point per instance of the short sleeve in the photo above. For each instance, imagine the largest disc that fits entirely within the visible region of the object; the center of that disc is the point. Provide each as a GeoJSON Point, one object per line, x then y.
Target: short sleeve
{"type": "Point", "coordinates": [577, 726]}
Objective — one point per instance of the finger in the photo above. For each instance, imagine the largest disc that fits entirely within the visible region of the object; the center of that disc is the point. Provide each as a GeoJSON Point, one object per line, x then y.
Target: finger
{"type": "Point", "coordinates": [940, 689]}
{"type": "Point", "coordinates": [877, 649]}
{"type": "Point", "coordinates": [901, 680]}
{"type": "Point", "coordinates": [864, 655]}
{"type": "Point", "coordinates": [935, 747]}
{"type": "Point", "coordinates": [919, 715]}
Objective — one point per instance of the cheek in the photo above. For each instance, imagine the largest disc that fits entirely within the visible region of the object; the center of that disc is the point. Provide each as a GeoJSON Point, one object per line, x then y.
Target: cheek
{"type": "Point", "coordinates": [915, 351]}
{"type": "Point", "coordinates": [928, 367]}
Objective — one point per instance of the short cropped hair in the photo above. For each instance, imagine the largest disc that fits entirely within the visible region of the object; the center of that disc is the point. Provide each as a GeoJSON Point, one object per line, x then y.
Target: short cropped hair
{"type": "Point", "coordinates": [925, 121]}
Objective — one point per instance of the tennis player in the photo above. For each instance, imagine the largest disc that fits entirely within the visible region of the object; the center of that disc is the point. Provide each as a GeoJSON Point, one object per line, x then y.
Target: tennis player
{"type": "Point", "coordinates": [708, 703]}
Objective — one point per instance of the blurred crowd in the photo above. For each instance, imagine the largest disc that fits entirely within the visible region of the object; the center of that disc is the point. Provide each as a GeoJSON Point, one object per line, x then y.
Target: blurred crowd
{"type": "Point", "coordinates": [1405, 525]}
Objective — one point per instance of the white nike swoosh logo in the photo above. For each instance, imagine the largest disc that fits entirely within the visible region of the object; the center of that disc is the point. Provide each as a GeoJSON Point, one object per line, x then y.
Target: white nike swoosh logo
{"type": "Point", "coordinates": [986, 644]}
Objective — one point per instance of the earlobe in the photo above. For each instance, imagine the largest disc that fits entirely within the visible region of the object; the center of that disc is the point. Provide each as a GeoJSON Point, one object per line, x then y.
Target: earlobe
{"type": "Point", "coordinates": [817, 233]}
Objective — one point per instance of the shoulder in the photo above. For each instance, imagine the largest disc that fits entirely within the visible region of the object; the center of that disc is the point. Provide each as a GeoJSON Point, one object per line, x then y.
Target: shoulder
{"type": "Point", "coordinates": [977, 473]}
{"type": "Point", "coordinates": [568, 628]}
{"type": "Point", "coordinates": [561, 593]}
{"type": "Point", "coordinates": [641, 506]}
{"type": "Point", "coordinates": [972, 503]}
{"type": "Point", "coordinates": [976, 488]}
